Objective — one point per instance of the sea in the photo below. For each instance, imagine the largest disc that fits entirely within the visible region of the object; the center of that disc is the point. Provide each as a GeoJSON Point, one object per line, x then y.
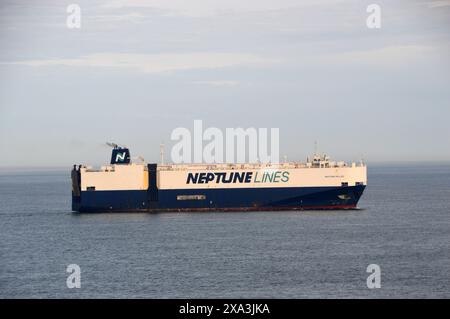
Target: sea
{"type": "Point", "coordinates": [400, 234]}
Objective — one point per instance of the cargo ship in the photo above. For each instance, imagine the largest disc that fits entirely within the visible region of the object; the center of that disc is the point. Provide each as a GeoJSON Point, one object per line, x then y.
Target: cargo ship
{"type": "Point", "coordinates": [126, 186]}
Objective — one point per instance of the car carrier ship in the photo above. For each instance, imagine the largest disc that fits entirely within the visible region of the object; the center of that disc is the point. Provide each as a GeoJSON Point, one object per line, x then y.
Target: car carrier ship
{"type": "Point", "coordinates": [125, 186]}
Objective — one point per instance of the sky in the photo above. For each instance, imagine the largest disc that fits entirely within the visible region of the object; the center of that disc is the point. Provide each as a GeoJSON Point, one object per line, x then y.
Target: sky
{"type": "Point", "coordinates": [136, 70]}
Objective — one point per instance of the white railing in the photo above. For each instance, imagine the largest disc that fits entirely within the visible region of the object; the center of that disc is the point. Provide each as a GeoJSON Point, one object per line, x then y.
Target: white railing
{"type": "Point", "coordinates": [247, 166]}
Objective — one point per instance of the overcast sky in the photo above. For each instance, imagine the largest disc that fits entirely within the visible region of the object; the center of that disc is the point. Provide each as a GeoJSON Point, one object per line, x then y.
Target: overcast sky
{"type": "Point", "coordinates": [136, 70]}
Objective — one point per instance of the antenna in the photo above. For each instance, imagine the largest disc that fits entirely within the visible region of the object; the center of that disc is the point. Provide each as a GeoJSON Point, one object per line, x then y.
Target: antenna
{"type": "Point", "coordinates": [161, 152]}
{"type": "Point", "coordinates": [113, 145]}
{"type": "Point", "coordinates": [315, 147]}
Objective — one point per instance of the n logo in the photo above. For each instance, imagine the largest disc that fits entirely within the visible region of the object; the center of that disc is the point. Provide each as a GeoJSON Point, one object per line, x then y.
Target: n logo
{"type": "Point", "coordinates": [120, 157]}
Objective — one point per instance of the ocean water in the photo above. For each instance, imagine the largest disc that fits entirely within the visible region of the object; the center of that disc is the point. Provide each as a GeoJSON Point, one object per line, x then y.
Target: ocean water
{"type": "Point", "coordinates": [403, 226]}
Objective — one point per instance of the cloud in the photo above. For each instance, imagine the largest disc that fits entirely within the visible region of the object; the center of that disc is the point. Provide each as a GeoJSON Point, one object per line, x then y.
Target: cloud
{"type": "Point", "coordinates": [438, 3]}
{"type": "Point", "coordinates": [199, 8]}
{"type": "Point", "coordinates": [388, 57]}
{"type": "Point", "coordinates": [126, 17]}
{"type": "Point", "coordinates": [223, 83]}
{"type": "Point", "coordinates": [155, 63]}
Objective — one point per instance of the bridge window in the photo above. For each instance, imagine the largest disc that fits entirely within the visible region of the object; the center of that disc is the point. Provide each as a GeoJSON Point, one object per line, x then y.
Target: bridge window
{"type": "Point", "coordinates": [90, 188]}
{"type": "Point", "coordinates": [191, 197]}
{"type": "Point", "coordinates": [344, 184]}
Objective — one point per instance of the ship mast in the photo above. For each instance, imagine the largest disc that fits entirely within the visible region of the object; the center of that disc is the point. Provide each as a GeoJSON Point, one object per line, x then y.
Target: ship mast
{"type": "Point", "coordinates": [161, 152]}
{"type": "Point", "coordinates": [315, 147]}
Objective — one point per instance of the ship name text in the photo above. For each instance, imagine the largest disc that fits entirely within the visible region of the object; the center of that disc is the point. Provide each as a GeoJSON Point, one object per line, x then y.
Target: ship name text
{"type": "Point", "coordinates": [238, 177]}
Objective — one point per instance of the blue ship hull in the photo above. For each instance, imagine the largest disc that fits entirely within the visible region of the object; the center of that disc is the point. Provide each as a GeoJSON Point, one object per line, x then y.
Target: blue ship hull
{"type": "Point", "coordinates": [226, 199]}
